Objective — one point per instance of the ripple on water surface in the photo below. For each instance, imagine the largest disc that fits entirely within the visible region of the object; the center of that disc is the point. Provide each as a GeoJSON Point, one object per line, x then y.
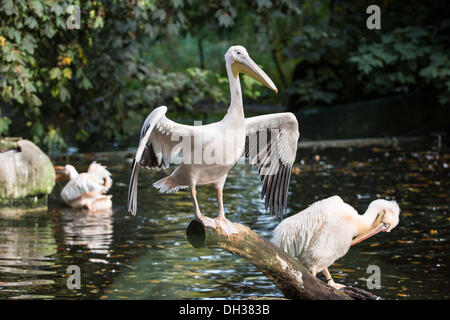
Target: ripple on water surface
{"type": "Point", "coordinates": [148, 257]}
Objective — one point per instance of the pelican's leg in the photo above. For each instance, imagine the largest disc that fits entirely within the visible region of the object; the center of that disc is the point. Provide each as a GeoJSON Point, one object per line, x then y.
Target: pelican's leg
{"type": "Point", "coordinates": [225, 224]}
{"type": "Point", "coordinates": [330, 280]}
{"type": "Point", "coordinates": [205, 220]}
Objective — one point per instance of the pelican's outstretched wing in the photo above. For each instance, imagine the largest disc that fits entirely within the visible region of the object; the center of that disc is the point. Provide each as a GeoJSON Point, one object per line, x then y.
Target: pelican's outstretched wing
{"type": "Point", "coordinates": [83, 183]}
{"type": "Point", "coordinates": [159, 145]}
{"type": "Point", "coordinates": [271, 144]}
{"type": "Point", "coordinates": [102, 175]}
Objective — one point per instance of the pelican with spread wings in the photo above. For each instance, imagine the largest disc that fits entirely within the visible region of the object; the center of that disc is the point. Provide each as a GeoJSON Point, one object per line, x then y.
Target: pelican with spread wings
{"type": "Point", "coordinates": [206, 153]}
{"type": "Point", "coordinates": [86, 190]}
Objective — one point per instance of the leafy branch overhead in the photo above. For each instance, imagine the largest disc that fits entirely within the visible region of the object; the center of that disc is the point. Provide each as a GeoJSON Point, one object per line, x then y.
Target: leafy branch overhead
{"type": "Point", "coordinates": [68, 86]}
{"type": "Point", "coordinates": [62, 80]}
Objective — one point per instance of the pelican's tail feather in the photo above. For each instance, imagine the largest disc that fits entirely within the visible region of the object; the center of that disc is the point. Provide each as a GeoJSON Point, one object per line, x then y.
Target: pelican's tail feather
{"type": "Point", "coordinates": [168, 185]}
{"type": "Point", "coordinates": [132, 189]}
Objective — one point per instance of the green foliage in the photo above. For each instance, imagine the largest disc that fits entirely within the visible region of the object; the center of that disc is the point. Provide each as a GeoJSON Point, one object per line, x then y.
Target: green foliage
{"type": "Point", "coordinates": [47, 71]}
{"type": "Point", "coordinates": [86, 86]}
{"type": "Point", "coordinates": [319, 49]}
{"type": "Point", "coordinates": [179, 90]}
{"type": "Point", "coordinates": [437, 72]}
{"type": "Point", "coordinates": [332, 42]}
{"type": "Point", "coordinates": [4, 124]}
{"type": "Point", "coordinates": [401, 59]}
{"type": "Point", "coordinates": [74, 85]}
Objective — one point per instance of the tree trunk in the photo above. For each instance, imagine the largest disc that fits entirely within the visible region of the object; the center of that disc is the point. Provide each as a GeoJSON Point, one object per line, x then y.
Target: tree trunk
{"type": "Point", "coordinates": [294, 281]}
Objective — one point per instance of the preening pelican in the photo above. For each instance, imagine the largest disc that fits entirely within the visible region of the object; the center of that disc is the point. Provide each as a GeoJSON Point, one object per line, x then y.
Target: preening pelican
{"type": "Point", "coordinates": [210, 151]}
{"type": "Point", "coordinates": [323, 233]}
{"type": "Point", "coordinates": [86, 190]}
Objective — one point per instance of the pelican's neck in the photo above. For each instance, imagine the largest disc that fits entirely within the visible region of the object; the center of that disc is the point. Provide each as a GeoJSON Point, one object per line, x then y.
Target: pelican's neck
{"type": "Point", "coordinates": [366, 220]}
{"type": "Point", "coordinates": [236, 108]}
{"type": "Point", "coordinates": [73, 173]}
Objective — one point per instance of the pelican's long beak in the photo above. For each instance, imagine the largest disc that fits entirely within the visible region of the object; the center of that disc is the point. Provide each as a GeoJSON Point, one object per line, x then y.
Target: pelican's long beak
{"type": "Point", "coordinates": [380, 227]}
{"type": "Point", "coordinates": [59, 168]}
{"type": "Point", "coordinates": [247, 65]}
{"type": "Point", "coordinates": [60, 173]}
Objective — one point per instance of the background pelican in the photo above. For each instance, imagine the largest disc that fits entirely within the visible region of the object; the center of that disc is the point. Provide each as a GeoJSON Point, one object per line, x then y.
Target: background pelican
{"type": "Point", "coordinates": [86, 190]}
{"type": "Point", "coordinates": [322, 233]}
{"type": "Point", "coordinates": [269, 141]}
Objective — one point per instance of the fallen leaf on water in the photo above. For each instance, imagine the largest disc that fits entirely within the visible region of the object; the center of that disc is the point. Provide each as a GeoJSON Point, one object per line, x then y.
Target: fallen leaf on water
{"type": "Point", "coordinates": [407, 214]}
{"type": "Point", "coordinates": [405, 241]}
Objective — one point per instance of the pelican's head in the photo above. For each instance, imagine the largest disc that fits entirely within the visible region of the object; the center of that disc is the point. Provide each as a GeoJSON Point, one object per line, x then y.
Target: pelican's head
{"type": "Point", "coordinates": [66, 172]}
{"type": "Point", "coordinates": [388, 213]}
{"type": "Point", "coordinates": [239, 60]}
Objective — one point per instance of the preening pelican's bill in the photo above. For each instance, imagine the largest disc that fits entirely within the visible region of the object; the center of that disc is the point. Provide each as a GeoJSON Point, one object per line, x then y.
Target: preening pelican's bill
{"type": "Point", "coordinates": [163, 142]}
{"type": "Point", "coordinates": [86, 190]}
{"type": "Point", "coordinates": [324, 232]}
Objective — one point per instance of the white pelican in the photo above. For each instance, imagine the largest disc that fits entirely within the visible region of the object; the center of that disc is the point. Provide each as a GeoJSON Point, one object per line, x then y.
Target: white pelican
{"type": "Point", "coordinates": [269, 141]}
{"type": "Point", "coordinates": [323, 233]}
{"type": "Point", "coordinates": [86, 190]}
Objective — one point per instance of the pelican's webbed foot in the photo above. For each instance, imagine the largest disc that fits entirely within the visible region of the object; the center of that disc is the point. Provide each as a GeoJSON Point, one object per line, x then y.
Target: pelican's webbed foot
{"type": "Point", "coordinates": [207, 222]}
{"type": "Point", "coordinates": [226, 225]}
{"type": "Point", "coordinates": [335, 285]}
{"type": "Point", "coordinates": [330, 280]}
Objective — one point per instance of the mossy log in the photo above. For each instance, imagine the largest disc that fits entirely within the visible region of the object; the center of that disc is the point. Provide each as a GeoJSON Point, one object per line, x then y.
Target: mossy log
{"type": "Point", "coordinates": [293, 280]}
{"type": "Point", "coordinates": [287, 273]}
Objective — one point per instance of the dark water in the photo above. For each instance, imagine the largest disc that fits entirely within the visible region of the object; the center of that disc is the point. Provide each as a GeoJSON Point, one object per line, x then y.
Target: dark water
{"type": "Point", "coordinates": [148, 257]}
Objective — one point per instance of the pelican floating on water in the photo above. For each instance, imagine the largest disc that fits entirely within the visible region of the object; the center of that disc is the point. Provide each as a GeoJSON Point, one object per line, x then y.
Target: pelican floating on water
{"type": "Point", "coordinates": [323, 233]}
{"type": "Point", "coordinates": [86, 190]}
{"type": "Point", "coordinates": [269, 141]}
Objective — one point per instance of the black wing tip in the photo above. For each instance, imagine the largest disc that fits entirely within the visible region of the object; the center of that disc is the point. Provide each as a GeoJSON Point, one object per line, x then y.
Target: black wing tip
{"type": "Point", "coordinates": [277, 206]}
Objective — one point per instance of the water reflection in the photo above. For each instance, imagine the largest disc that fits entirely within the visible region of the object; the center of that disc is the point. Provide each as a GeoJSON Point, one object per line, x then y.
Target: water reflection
{"type": "Point", "coordinates": [26, 247]}
{"type": "Point", "coordinates": [148, 257]}
{"type": "Point", "coordinates": [93, 230]}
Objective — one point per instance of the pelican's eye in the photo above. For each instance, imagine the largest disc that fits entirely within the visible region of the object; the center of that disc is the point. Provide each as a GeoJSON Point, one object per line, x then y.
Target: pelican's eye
{"type": "Point", "coordinates": [238, 52]}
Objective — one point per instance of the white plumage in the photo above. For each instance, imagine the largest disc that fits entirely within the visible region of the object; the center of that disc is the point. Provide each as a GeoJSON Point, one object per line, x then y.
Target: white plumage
{"type": "Point", "coordinates": [86, 190]}
{"type": "Point", "coordinates": [324, 232]}
{"type": "Point", "coordinates": [221, 144]}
